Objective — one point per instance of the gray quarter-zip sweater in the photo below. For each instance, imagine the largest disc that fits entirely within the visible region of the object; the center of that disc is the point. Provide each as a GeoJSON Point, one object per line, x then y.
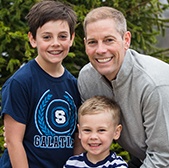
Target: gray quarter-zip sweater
{"type": "Point", "coordinates": [141, 88]}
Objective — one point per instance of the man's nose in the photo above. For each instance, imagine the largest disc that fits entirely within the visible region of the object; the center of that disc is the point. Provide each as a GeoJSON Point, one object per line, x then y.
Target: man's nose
{"type": "Point", "coordinates": [101, 48]}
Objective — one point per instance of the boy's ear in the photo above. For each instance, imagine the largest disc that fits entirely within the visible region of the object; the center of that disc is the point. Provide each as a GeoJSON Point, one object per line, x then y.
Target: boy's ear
{"type": "Point", "coordinates": [79, 131]}
{"type": "Point", "coordinates": [32, 40]}
{"type": "Point", "coordinates": [72, 39]}
{"type": "Point", "coordinates": [117, 132]}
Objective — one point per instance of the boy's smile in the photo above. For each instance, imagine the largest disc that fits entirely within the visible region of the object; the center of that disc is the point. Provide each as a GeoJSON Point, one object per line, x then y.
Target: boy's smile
{"type": "Point", "coordinates": [97, 132]}
{"type": "Point", "coordinates": [53, 42]}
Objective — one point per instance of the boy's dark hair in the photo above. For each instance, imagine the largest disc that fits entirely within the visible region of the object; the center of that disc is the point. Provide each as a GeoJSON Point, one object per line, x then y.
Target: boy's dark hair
{"type": "Point", "coordinates": [50, 10]}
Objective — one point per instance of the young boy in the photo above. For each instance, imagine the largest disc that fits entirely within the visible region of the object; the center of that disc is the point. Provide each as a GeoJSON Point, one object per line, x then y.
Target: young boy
{"type": "Point", "coordinates": [40, 101]}
{"type": "Point", "coordinates": [99, 124]}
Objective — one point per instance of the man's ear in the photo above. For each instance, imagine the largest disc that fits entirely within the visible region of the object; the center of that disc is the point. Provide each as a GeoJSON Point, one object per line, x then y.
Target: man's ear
{"type": "Point", "coordinates": [85, 44]}
{"type": "Point", "coordinates": [32, 40]}
{"type": "Point", "coordinates": [117, 132]}
{"type": "Point", "coordinates": [84, 39]}
{"type": "Point", "coordinates": [127, 38]}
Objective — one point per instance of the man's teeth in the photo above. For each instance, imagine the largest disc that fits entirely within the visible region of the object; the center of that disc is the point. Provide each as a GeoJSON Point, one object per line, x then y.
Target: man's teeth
{"type": "Point", "coordinates": [104, 60]}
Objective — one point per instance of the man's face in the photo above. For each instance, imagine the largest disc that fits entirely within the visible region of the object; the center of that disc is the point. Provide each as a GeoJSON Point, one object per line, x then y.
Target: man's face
{"type": "Point", "coordinates": [106, 47]}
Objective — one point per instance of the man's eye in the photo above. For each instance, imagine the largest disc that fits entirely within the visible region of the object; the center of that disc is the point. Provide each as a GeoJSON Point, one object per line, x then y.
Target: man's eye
{"type": "Point", "coordinates": [91, 42]}
{"type": "Point", "coordinates": [109, 40]}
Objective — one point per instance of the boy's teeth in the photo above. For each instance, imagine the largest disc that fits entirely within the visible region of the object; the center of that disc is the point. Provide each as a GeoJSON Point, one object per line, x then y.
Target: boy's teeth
{"type": "Point", "coordinates": [54, 52]}
{"type": "Point", "coordinates": [94, 145]}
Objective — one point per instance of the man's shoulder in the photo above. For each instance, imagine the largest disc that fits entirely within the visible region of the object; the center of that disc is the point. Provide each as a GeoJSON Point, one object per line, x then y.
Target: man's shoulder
{"type": "Point", "coordinates": [86, 67]}
{"type": "Point", "coordinates": [88, 71]}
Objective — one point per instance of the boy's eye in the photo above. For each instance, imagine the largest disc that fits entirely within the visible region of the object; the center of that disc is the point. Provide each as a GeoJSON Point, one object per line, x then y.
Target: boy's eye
{"type": "Point", "coordinates": [63, 36]}
{"type": "Point", "coordinates": [86, 130]}
{"type": "Point", "coordinates": [46, 37]}
{"type": "Point", "coordinates": [102, 130]}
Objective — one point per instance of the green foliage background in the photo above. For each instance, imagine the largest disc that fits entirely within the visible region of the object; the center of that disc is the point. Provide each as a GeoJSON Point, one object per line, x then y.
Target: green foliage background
{"type": "Point", "coordinates": [144, 19]}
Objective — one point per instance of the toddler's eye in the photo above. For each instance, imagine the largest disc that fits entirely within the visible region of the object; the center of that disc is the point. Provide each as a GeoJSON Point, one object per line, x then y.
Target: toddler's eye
{"type": "Point", "coordinates": [86, 130]}
{"type": "Point", "coordinates": [102, 130]}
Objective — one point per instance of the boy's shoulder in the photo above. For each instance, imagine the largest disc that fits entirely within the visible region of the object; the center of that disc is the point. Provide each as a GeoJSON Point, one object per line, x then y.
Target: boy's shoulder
{"type": "Point", "coordinates": [24, 69]}
{"type": "Point", "coordinates": [75, 160]}
{"type": "Point", "coordinates": [22, 74]}
{"type": "Point", "coordinates": [110, 161]}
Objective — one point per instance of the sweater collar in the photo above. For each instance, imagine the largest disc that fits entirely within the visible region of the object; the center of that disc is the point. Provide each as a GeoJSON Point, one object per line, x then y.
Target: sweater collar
{"type": "Point", "coordinates": [125, 69]}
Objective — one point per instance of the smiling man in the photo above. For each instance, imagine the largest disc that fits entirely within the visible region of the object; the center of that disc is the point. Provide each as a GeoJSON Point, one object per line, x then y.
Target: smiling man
{"type": "Point", "coordinates": [139, 83]}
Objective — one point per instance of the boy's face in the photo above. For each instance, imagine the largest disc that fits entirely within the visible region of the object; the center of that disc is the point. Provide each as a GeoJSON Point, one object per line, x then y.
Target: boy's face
{"type": "Point", "coordinates": [97, 132]}
{"type": "Point", "coordinates": [106, 47]}
{"type": "Point", "coordinates": [52, 41]}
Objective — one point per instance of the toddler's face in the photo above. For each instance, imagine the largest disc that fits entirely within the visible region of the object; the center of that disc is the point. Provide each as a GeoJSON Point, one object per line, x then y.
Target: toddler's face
{"type": "Point", "coordinates": [97, 132]}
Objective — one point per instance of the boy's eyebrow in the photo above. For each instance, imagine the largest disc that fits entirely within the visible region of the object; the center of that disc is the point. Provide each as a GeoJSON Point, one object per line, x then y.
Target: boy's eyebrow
{"type": "Point", "coordinates": [64, 32]}
{"type": "Point", "coordinates": [83, 125]}
{"type": "Point", "coordinates": [59, 32]}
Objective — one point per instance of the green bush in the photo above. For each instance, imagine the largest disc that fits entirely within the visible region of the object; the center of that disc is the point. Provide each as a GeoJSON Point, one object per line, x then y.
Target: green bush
{"type": "Point", "coordinates": [1, 140]}
{"type": "Point", "coordinates": [120, 151]}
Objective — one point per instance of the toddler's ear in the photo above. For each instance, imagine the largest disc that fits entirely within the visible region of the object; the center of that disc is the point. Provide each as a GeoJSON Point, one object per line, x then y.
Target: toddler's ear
{"type": "Point", "coordinates": [32, 40]}
{"type": "Point", "coordinates": [79, 131]}
{"type": "Point", "coordinates": [117, 132]}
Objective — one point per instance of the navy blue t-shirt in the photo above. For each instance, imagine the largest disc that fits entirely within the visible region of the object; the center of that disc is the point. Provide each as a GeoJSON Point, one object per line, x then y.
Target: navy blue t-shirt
{"type": "Point", "coordinates": [48, 107]}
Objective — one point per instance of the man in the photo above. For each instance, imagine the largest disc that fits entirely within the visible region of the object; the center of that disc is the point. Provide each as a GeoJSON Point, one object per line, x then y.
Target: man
{"type": "Point", "coordinates": [139, 83]}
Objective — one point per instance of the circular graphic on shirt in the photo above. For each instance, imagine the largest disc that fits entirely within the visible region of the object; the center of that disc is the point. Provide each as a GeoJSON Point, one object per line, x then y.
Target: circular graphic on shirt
{"type": "Point", "coordinates": [55, 116]}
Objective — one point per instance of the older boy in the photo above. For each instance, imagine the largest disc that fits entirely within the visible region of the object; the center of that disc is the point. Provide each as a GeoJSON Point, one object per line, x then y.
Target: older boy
{"type": "Point", "coordinates": [40, 101]}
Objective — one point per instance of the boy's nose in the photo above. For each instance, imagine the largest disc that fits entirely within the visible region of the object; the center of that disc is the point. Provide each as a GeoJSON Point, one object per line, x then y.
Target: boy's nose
{"type": "Point", "coordinates": [94, 136]}
{"type": "Point", "coordinates": [55, 42]}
